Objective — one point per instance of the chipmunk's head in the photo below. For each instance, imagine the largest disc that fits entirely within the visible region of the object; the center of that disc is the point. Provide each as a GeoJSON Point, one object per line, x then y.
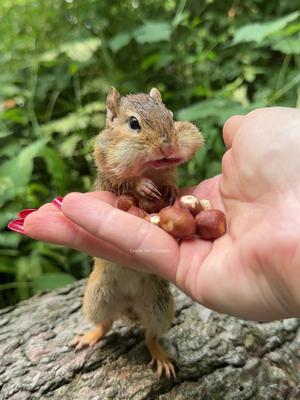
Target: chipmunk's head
{"type": "Point", "coordinates": [141, 134]}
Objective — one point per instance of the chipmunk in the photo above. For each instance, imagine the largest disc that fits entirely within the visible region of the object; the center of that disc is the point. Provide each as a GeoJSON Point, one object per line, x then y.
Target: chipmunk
{"type": "Point", "coordinates": [136, 153]}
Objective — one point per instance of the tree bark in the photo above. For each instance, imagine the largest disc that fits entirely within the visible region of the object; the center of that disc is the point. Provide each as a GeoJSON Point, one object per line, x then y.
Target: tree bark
{"type": "Point", "coordinates": [217, 356]}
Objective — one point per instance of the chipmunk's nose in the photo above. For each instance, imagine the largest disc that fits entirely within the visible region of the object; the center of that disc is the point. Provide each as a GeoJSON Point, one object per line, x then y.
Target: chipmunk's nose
{"type": "Point", "coordinates": [166, 149]}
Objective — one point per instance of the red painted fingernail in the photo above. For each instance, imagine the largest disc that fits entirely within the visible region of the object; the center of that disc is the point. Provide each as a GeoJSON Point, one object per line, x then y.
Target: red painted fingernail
{"type": "Point", "coordinates": [57, 202]}
{"type": "Point", "coordinates": [23, 213]}
{"type": "Point", "coordinates": [16, 225]}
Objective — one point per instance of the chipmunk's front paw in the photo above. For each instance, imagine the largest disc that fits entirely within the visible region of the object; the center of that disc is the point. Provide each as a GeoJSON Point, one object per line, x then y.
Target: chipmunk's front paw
{"type": "Point", "coordinates": [170, 193]}
{"type": "Point", "coordinates": [147, 189]}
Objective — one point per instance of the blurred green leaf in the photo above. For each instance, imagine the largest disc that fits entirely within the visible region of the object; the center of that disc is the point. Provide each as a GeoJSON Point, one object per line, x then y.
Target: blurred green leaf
{"type": "Point", "coordinates": [16, 173]}
{"type": "Point", "coordinates": [68, 146]}
{"type": "Point", "coordinates": [200, 156]}
{"type": "Point", "coordinates": [7, 214]}
{"type": "Point", "coordinates": [52, 281]}
{"type": "Point", "coordinates": [152, 32]}
{"type": "Point", "coordinates": [81, 50]}
{"type": "Point", "coordinates": [96, 106]}
{"type": "Point", "coordinates": [219, 109]}
{"type": "Point", "coordinates": [53, 252]}
{"type": "Point", "coordinates": [16, 115]}
{"type": "Point", "coordinates": [213, 169]}
{"type": "Point", "coordinates": [29, 268]}
{"type": "Point", "coordinates": [56, 167]}
{"type": "Point", "coordinates": [9, 252]}
{"type": "Point", "coordinates": [119, 41]}
{"type": "Point", "coordinates": [7, 89]}
{"type": "Point", "coordinates": [257, 32]}
{"type": "Point", "coordinates": [48, 56]}
{"type": "Point", "coordinates": [7, 265]}
{"type": "Point", "coordinates": [73, 122]}
{"type": "Point", "coordinates": [288, 45]}
{"type": "Point", "coordinates": [9, 239]}
{"type": "Point", "coordinates": [4, 134]}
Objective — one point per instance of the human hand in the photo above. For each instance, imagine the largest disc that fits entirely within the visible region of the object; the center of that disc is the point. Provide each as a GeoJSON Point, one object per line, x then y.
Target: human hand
{"type": "Point", "coordinates": [254, 269]}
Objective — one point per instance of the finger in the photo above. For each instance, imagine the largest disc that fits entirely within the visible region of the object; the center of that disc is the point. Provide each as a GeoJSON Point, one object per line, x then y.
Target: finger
{"type": "Point", "coordinates": [53, 227]}
{"type": "Point", "coordinates": [208, 189]}
{"type": "Point", "coordinates": [102, 195]}
{"type": "Point", "coordinates": [108, 197]}
{"type": "Point", "coordinates": [49, 207]}
{"type": "Point", "coordinates": [148, 244]}
{"type": "Point", "coordinates": [230, 128]}
{"type": "Point", "coordinates": [187, 190]}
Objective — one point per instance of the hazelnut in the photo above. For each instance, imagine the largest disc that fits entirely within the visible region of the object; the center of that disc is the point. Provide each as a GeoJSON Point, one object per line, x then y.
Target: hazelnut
{"type": "Point", "coordinates": [125, 201]}
{"type": "Point", "coordinates": [191, 203]}
{"type": "Point", "coordinates": [177, 222]}
{"type": "Point", "coordinates": [211, 224]}
{"type": "Point", "coordinates": [152, 206]}
{"type": "Point", "coordinates": [153, 218]}
{"type": "Point", "coordinates": [205, 204]}
{"type": "Point", "coordinates": [137, 212]}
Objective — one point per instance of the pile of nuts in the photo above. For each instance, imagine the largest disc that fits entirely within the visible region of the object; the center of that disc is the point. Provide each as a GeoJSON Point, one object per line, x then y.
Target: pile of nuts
{"type": "Point", "coordinates": [188, 217]}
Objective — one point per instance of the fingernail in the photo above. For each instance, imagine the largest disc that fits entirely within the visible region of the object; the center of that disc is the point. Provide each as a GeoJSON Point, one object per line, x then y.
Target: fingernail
{"type": "Point", "coordinates": [23, 213]}
{"type": "Point", "coordinates": [57, 202]}
{"type": "Point", "coordinates": [16, 225]}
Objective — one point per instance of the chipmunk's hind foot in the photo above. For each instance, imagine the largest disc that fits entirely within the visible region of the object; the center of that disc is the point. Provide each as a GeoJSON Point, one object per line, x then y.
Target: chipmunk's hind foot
{"type": "Point", "coordinates": [160, 359]}
{"type": "Point", "coordinates": [90, 338]}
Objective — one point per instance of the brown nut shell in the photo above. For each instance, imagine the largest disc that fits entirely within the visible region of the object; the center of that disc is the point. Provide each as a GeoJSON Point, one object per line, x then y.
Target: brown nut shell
{"type": "Point", "coordinates": [211, 224]}
{"type": "Point", "coordinates": [125, 201]}
{"type": "Point", "coordinates": [137, 212]}
{"type": "Point", "coordinates": [191, 203]}
{"type": "Point", "coordinates": [154, 218]}
{"type": "Point", "coordinates": [177, 222]}
{"type": "Point", "coordinates": [152, 206]}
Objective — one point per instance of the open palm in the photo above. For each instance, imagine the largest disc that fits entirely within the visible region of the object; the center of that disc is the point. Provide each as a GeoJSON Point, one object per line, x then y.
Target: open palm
{"type": "Point", "coordinates": [254, 269]}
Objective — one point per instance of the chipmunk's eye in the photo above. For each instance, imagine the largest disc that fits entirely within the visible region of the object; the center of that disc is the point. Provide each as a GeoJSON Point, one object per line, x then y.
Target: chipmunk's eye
{"type": "Point", "coordinates": [134, 124]}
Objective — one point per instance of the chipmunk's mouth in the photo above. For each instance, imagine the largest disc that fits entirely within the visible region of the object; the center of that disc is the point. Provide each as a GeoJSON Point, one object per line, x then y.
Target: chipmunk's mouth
{"type": "Point", "coordinates": [165, 162]}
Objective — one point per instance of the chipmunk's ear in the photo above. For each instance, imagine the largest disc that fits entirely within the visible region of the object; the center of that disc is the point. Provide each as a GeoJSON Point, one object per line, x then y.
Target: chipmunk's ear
{"type": "Point", "coordinates": [155, 93]}
{"type": "Point", "coordinates": [112, 104]}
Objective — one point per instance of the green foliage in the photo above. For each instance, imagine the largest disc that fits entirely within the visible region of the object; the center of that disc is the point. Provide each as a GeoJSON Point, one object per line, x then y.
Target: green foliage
{"type": "Point", "coordinates": [257, 32]}
{"type": "Point", "coordinates": [152, 32]}
{"type": "Point", "coordinates": [210, 60]}
{"type": "Point", "coordinates": [16, 173]}
{"type": "Point", "coordinates": [52, 281]}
